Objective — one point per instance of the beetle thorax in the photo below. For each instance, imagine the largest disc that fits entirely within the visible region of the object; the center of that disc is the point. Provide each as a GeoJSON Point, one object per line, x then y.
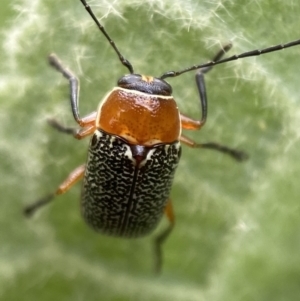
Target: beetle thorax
{"type": "Point", "coordinates": [139, 117]}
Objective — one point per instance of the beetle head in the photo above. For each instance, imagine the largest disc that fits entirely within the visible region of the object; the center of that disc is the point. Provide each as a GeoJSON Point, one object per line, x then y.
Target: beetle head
{"type": "Point", "coordinates": [146, 84]}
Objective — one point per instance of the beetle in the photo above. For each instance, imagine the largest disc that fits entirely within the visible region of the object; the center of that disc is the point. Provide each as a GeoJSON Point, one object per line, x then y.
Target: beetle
{"type": "Point", "coordinates": [135, 148]}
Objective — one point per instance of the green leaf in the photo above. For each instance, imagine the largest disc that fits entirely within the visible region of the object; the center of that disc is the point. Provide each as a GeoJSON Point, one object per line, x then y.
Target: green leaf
{"type": "Point", "coordinates": [237, 225]}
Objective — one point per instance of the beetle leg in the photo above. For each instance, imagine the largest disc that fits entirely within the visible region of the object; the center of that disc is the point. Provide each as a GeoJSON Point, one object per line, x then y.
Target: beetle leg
{"type": "Point", "coordinates": [85, 132]}
{"type": "Point", "coordinates": [192, 124]}
{"type": "Point", "coordinates": [77, 133]}
{"type": "Point", "coordinates": [74, 87]}
{"type": "Point", "coordinates": [188, 123]}
{"type": "Point", "coordinates": [234, 153]}
{"type": "Point", "coordinates": [61, 128]}
{"type": "Point", "coordinates": [161, 238]}
{"type": "Point", "coordinates": [73, 178]}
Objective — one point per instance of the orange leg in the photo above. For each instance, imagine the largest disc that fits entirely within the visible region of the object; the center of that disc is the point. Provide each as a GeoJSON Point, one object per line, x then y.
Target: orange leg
{"type": "Point", "coordinates": [188, 123]}
{"type": "Point", "coordinates": [88, 120]}
{"type": "Point", "coordinates": [72, 179]}
{"type": "Point", "coordinates": [161, 238]}
{"type": "Point", "coordinates": [85, 132]}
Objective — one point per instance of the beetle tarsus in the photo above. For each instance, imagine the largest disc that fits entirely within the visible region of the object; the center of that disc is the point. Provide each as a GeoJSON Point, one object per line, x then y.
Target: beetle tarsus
{"type": "Point", "coordinates": [217, 57]}
{"type": "Point", "coordinates": [61, 128]}
{"type": "Point", "coordinates": [158, 242]}
{"type": "Point", "coordinates": [31, 209]}
{"type": "Point", "coordinates": [236, 154]}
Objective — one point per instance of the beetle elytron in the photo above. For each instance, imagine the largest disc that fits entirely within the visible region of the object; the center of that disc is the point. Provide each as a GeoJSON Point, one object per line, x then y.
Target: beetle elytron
{"type": "Point", "coordinates": [135, 148]}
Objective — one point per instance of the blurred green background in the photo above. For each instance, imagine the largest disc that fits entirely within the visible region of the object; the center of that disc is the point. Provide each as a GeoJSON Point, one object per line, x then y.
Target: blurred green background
{"type": "Point", "coordinates": [237, 235]}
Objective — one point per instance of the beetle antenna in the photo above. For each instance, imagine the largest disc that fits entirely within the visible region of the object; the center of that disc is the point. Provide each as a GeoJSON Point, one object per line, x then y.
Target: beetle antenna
{"type": "Point", "coordinates": [125, 62]}
{"type": "Point", "coordinates": [232, 58]}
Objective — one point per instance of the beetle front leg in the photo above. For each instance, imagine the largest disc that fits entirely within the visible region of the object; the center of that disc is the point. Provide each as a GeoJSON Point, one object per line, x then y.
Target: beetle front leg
{"type": "Point", "coordinates": [161, 238]}
{"type": "Point", "coordinates": [189, 123]}
{"type": "Point", "coordinates": [74, 87]}
{"type": "Point", "coordinates": [73, 178]}
{"type": "Point", "coordinates": [75, 132]}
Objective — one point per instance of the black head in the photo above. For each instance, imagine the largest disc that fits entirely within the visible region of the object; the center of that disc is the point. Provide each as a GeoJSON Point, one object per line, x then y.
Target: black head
{"type": "Point", "coordinates": [146, 84]}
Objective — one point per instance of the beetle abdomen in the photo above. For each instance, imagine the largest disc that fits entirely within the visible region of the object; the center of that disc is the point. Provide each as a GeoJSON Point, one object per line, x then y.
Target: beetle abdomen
{"type": "Point", "coordinates": [126, 187]}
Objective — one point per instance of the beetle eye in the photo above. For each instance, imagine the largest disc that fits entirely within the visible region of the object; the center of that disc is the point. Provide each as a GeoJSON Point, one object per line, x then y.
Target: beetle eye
{"type": "Point", "coordinates": [129, 79]}
{"type": "Point", "coordinates": [146, 84]}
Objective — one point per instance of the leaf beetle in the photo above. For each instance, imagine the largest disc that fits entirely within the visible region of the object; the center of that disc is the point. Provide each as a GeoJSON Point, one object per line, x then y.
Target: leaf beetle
{"type": "Point", "coordinates": [135, 148]}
